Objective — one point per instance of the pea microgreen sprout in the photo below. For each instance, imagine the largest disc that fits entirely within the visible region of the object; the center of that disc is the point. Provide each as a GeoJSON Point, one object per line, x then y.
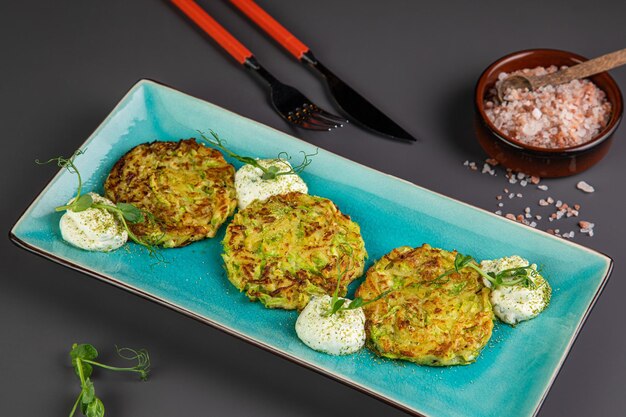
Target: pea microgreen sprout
{"type": "Point", "coordinates": [83, 360]}
{"type": "Point", "coordinates": [508, 277]}
{"type": "Point", "coordinates": [125, 212]}
{"type": "Point", "coordinates": [270, 172]}
{"type": "Point", "coordinates": [339, 304]}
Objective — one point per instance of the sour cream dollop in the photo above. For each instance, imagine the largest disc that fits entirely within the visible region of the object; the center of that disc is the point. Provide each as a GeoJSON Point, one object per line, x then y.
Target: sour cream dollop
{"type": "Point", "coordinates": [342, 333]}
{"type": "Point", "coordinates": [250, 186]}
{"type": "Point", "coordinates": [93, 229]}
{"type": "Point", "coordinates": [513, 304]}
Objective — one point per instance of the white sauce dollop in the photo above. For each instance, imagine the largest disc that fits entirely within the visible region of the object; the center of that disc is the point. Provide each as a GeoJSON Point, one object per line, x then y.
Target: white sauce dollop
{"type": "Point", "coordinates": [342, 333]}
{"type": "Point", "coordinates": [250, 186]}
{"type": "Point", "coordinates": [93, 229]}
{"type": "Point", "coordinates": [513, 304]}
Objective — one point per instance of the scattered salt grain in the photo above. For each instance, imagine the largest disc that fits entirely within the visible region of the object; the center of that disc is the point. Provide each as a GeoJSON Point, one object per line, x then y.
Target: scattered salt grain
{"type": "Point", "coordinates": [583, 186]}
{"type": "Point", "coordinates": [543, 187]}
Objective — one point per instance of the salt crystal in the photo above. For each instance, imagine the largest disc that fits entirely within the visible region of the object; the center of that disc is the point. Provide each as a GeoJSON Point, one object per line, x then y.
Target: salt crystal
{"type": "Point", "coordinates": [519, 195]}
{"type": "Point", "coordinates": [583, 186]}
{"type": "Point", "coordinates": [583, 224]}
{"type": "Point", "coordinates": [536, 113]}
{"type": "Point", "coordinates": [543, 187]}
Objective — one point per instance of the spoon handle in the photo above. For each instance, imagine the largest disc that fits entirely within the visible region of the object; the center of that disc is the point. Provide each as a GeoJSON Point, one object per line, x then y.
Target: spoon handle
{"type": "Point", "coordinates": [584, 69]}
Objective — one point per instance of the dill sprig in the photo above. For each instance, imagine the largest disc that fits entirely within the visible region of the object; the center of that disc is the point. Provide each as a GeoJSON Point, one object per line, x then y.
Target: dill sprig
{"type": "Point", "coordinates": [125, 212]}
{"type": "Point", "coordinates": [269, 173]}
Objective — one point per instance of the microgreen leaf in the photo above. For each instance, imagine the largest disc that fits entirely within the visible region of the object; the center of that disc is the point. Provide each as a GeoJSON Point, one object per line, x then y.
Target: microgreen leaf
{"type": "Point", "coordinates": [337, 305]}
{"type": "Point", "coordinates": [356, 303]}
{"type": "Point", "coordinates": [95, 408]}
{"type": "Point", "coordinates": [461, 261]}
{"type": "Point", "coordinates": [88, 393]}
{"type": "Point", "coordinates": [80, 353]}
{"type": "Point", "coordinates": [82, 203]}
{"type": "Point", "coordinates": [130, 212]}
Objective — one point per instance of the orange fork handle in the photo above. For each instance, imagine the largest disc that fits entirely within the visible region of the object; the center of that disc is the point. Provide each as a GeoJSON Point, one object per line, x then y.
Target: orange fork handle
{"type": "Point", "coordinates": [272, 27]}
{"type": "Point", "coordinates": [227, 41]}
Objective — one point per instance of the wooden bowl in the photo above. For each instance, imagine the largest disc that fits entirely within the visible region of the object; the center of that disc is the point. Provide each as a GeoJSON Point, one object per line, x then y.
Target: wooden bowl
{"type": "Point", "coordinates": [533, 160]}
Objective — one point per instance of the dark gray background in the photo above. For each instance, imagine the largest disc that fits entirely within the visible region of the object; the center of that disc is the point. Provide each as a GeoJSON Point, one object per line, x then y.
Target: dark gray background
{"type": "Point", "coordinates": [65, 64]}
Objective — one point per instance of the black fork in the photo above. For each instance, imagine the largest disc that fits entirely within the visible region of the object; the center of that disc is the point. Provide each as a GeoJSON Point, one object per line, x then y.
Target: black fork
{"type": "Point", "coordinates": [290, 103]}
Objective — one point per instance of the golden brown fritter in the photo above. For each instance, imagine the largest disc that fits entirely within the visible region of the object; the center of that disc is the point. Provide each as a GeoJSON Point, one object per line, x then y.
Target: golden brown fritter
{"type": "Point", "coordinates": [285, 249]}
{"type": "Point", "coordinates": [426, 318]}
{"type": "Point", "coordinates": [188, 187]}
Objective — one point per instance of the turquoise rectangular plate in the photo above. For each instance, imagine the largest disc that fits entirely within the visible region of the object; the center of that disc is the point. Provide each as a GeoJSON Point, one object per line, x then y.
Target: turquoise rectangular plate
{"type": "Point", "coordinates": [516, 368]}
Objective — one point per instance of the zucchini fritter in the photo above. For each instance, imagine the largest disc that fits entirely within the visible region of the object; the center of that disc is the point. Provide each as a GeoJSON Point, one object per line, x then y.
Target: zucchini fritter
{"type": "Point", "coordinates": [188, 187]}
{"type": "Point", "coordinates": [285, 249]}
{"type": "Point", "coordinates": [426, 318]}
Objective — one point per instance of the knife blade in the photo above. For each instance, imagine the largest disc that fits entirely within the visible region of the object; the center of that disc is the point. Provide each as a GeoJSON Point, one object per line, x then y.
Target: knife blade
{"type": "Point", "coordinates": [352, 103]}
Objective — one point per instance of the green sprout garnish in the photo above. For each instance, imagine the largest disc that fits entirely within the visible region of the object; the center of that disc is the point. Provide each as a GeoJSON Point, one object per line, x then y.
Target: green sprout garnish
{"type": "Point", "coordinates": [269, 173]}
{"type": "Point", "coordinates": [125, 212]}
{"type": "Point", "coordinates": [83, 360]}
{"type": "Point", "coordinates": [339, 304]}
{"type": "Point", "coordinates": [509, 277]}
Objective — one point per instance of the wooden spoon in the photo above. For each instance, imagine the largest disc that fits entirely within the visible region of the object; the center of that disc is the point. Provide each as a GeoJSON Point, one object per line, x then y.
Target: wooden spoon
{"type": "Point", "coordinates": [582, 70]}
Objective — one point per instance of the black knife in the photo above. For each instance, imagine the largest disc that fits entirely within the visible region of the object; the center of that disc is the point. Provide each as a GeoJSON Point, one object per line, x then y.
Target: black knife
{"type": "Point", "coordinates": [352, 103]}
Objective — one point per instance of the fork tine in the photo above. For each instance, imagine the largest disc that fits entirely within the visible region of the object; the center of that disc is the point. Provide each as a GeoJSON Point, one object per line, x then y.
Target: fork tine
{"type": "Point", "coordinates": [318, 119]}
{"type": "Point", "coordinates": [328, 116]}
{"type": "Point", "coordinates": [306, 124]}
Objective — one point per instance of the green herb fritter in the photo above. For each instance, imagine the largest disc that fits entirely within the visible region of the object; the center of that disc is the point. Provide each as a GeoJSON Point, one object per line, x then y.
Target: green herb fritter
{"type": "Point", "coordinates": [188, 187]}
{"type": "Point", "coordinates": [285, 249]}
{"type": "Point", "coordinates": [433, 315]}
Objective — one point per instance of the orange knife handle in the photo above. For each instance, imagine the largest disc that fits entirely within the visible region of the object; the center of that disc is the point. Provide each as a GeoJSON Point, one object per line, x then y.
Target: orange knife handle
{"type": "Point", "coordinates": [201, 18]}
{"type": "Point", "coordinates": [272, 27]}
